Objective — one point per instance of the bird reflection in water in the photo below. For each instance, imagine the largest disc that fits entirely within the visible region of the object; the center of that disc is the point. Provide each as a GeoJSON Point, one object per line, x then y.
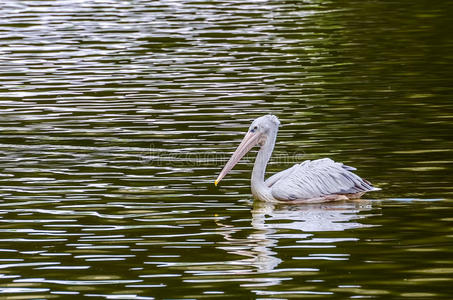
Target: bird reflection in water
{"type": "Point", "coordinates": [272, 222]}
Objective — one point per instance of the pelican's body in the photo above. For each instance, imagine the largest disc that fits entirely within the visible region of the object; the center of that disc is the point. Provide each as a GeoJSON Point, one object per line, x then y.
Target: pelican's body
{"type": "Point", "coordinates": [320, 180]}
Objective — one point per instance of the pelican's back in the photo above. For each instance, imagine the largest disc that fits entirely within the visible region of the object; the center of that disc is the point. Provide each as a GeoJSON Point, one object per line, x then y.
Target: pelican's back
{"type": "Point", "coordinates": [318, 178]}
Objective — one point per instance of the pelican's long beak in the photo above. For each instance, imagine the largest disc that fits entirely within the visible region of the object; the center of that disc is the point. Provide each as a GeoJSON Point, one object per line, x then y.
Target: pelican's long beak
{"type": "Point", "coordinates": [250, 140]}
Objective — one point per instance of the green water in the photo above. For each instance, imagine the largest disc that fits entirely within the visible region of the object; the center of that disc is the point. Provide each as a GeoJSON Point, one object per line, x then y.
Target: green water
{"type": "Point", "coordinates": [117, 116]}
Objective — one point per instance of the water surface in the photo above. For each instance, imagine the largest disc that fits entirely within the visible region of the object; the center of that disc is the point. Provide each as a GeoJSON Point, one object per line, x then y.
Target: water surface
{"type": "Point", "coordinates": [116, 117]}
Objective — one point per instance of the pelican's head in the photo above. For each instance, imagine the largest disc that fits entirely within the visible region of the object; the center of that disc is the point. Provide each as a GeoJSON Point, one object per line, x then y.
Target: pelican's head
{"type": "Point", "coordinates": [258, 132]}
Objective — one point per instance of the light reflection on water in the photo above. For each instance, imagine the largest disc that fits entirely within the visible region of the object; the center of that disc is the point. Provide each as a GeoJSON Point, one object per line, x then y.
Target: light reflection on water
{"type": "Point", "coordinates": [227, 247]}
{"type": "Point", "coordinates": [116, 117]}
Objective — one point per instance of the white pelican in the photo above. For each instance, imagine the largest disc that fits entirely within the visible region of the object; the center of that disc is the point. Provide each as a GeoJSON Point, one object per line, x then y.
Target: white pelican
{"type": "Point", "coordinates": [314, 181]}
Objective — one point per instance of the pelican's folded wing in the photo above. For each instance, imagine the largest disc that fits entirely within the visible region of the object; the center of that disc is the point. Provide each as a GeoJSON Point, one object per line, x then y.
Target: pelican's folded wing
{"type": "Point", "coordinates": [277, 176]}
{"type": "Point", "coordinates": [317, 178]}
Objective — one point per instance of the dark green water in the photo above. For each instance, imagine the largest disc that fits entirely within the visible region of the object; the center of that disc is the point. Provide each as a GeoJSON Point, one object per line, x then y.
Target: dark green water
{"type": "Point", "coordinates": [117, 116]}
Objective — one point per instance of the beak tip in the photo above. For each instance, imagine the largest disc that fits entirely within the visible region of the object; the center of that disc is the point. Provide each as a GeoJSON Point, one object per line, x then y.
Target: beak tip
{"type": "Point", "coordinates": [216, 182]}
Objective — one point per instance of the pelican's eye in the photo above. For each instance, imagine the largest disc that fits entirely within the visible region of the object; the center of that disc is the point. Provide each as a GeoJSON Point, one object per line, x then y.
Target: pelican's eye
{"type": "Point", "coordinates": [254, 128]}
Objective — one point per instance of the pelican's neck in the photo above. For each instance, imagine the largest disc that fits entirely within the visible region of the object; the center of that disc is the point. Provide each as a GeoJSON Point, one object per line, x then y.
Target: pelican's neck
{"type": "Point", "coordinates": [259, 188]}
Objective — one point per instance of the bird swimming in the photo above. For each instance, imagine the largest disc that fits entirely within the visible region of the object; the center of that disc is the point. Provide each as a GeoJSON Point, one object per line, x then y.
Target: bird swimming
{"type": "Point", "coordinates": [316, 181]}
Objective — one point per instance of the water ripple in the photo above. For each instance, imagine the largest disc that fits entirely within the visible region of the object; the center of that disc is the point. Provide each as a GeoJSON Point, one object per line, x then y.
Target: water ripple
{"type": "Point", "coordinates": [117, 115]}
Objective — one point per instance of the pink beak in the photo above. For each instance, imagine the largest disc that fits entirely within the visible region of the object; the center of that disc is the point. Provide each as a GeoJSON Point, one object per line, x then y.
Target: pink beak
{"type": "Point", "coordinates": [250, 140]}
